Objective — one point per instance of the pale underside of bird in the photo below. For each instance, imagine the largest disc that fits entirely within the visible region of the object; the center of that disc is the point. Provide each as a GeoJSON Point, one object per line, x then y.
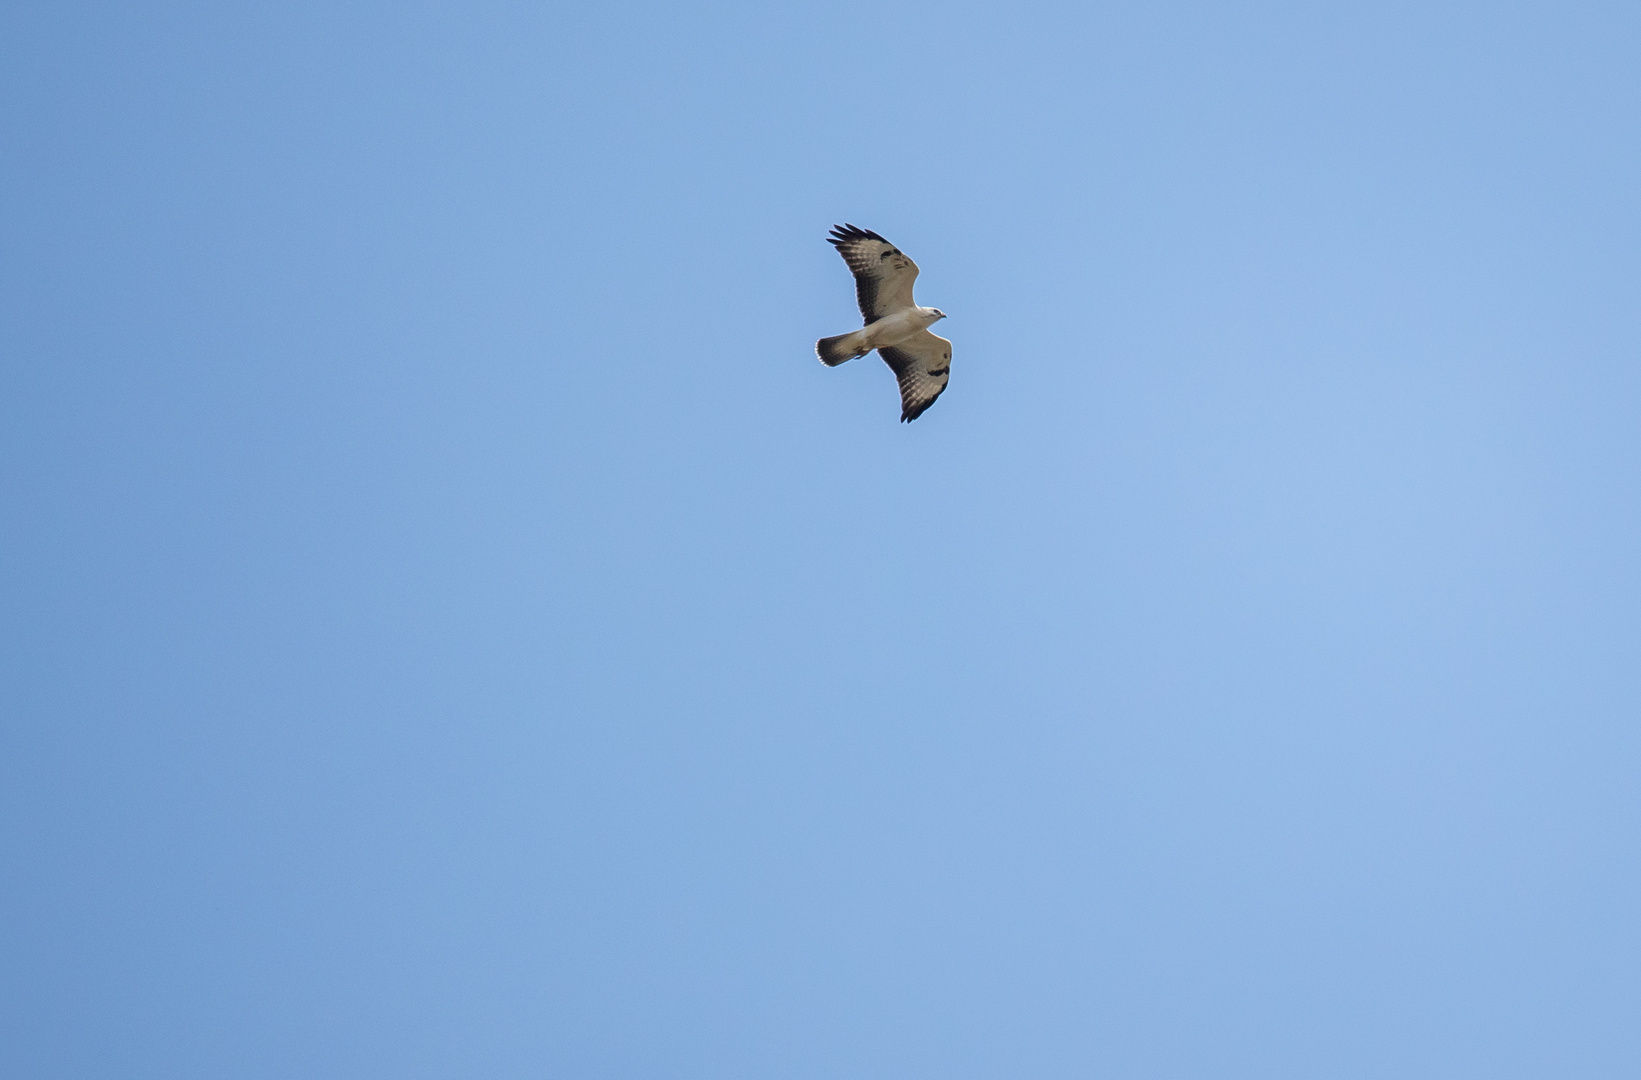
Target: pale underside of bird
{"type": "Point", "coordinates": [895, 326]}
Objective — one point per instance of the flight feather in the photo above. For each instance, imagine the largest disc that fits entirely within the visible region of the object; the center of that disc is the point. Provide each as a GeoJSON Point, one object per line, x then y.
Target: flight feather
{"type": "Point", "coordinates": [922, 364]}
{"type": "Point", "coordinates": [883, 274]}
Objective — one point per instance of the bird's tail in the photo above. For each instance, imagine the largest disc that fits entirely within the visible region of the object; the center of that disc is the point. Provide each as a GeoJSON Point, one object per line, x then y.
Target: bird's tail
{"type": "Point", "coordinates": [835, 350]}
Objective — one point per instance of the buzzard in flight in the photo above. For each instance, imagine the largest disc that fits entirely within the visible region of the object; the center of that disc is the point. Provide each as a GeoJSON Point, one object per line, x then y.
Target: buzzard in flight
{"type": "Point", "coordinates": [895, 326]}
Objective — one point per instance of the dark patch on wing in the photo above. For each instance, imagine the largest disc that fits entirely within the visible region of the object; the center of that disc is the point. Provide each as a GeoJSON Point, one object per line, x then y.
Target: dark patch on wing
{"type": "Point", "coordinates": [917, 392]}
{"type": "Point", "coordinates": [868, 275]}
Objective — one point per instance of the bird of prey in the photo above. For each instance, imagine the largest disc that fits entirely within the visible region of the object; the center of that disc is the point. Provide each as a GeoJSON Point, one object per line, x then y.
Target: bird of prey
{"type": "Point", "coordinates": [895, 326]}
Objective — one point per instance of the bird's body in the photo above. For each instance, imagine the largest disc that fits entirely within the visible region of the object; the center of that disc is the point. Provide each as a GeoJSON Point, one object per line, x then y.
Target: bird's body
{"type": "Point", "coordinates": [887, 331]}
{"type": "Point", "coordinates": [895, 325]}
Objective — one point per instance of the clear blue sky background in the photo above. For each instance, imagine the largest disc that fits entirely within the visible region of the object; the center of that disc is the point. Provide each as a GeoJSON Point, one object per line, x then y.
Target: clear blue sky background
{"type": "Point", "coordinates": [453, 627]}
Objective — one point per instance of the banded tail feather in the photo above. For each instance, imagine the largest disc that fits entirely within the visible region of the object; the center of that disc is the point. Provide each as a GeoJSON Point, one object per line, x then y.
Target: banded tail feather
{"type": "Point", "coordinates": [835, 350]}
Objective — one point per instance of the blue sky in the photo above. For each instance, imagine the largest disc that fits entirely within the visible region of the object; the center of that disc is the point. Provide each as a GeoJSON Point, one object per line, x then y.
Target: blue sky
{"type": "Point", "coordinates": [453, 627]}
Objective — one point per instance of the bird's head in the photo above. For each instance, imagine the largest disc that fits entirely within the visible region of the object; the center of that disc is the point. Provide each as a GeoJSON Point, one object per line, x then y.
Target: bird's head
{"type": "Point", "coordinates": [935, 314]}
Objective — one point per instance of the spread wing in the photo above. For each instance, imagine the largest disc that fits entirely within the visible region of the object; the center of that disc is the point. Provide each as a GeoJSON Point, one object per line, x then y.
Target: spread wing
{"type": "Point", "coordinates": [922, 363]}
{"type": "Point", "coordinates": [883, 276]}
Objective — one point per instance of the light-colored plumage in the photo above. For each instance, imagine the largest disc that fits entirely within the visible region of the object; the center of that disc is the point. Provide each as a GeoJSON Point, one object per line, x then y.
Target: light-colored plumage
{"type": "Point", "coordinates": [895, 326]}
{"type": "Point", "coordinates": [922, 364]}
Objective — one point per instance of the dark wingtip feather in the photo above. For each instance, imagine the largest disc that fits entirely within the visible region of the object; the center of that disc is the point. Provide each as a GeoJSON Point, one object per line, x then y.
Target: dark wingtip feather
{"type": "Point", "coordinates": [846, 233]}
